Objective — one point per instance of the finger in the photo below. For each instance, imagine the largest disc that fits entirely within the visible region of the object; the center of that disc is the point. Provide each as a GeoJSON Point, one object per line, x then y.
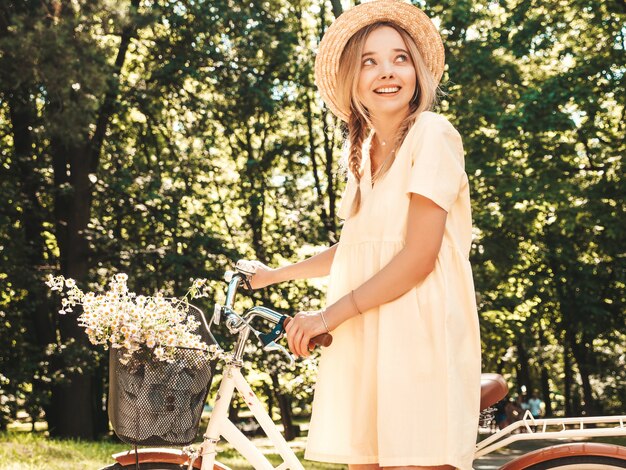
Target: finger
{"type": "Point", "coordinates": [290, 339]}
{"type": "Point", "coordinates": [301, 351]}
{"type": "Point", "coordinates": [304, 345]}
{"type": "Point", "coordinates": [297, 339]}
{"type": "Point", "coordinates": [292, 322]}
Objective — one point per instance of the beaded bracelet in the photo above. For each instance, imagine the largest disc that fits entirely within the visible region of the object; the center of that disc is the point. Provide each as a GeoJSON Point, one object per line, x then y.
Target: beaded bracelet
{"type": "Point", "coordinates": [354, 302]}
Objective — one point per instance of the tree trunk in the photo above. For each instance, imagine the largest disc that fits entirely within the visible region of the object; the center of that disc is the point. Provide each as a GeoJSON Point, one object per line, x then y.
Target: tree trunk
{"type": "Point", "coordinates": [327, 219]}
{"type": "Point", "coordinates": [329, 145]}
{"type": "Point", "coordinates": [233, 412]}
{"type": "Point", "coordinates": [270, 403]}
{"type": "Point", "coordinates": [256, 200]}
{"type": "Point", "coordinates": [545, 377]}
{"type": "Point", "coordinates": [101, 418]}
{"type": "Point", "coordinates": [581, 356]}
{"type": "Point", "coordinates": [545, 391]}
{"type": "Point", "coordinates": [75, 409]}
{"type": "Point", "coordinates": [22, 114]}
{"type": "Point", "coordinates": [72, 400]}
{"type": "Point", "coordinates": [291, 431]}
{"type": "Point", "coordinates": [22, 118]}
{"type": "Point", "coordinates": [332, 182]}
{"type": "Point", "coordinates": [523, 370]}
{"type": "Point", "coordinates": [567, 384]}
{"type": "Point", "coordinates": [337, 7]}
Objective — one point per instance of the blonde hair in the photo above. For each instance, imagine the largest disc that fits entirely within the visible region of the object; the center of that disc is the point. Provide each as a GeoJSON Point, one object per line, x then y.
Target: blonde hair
{"type": "Point", "coordinates": [360, 124]}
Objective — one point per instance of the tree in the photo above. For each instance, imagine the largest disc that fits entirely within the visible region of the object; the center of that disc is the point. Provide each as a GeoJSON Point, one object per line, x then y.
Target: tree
{"type": "Point", "coordinates": [168, 139]}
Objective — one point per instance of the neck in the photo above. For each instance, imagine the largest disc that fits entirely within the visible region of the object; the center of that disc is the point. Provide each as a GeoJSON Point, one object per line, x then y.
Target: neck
{"type": "Point", "coordinates": [385, 129]}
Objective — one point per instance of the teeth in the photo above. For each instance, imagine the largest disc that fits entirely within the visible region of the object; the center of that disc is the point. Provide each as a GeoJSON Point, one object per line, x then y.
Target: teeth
{"type": "Point", "coordinates": [387, 90]}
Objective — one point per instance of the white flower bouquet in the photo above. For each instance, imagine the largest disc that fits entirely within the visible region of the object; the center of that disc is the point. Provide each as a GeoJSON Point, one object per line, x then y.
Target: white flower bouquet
{"type": "Point", "coordinates": [160, 367]}
{"type": "Point", "coordinates": [118, 318]}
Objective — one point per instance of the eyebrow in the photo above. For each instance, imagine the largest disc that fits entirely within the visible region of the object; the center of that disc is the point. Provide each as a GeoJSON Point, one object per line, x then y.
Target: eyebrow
{"type": "Point", "coordinates": [373, 53]}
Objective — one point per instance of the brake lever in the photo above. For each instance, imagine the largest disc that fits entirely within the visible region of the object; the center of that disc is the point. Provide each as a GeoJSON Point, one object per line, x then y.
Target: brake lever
{"type": "Point", "coordinates": [269, 343]}
{"type": "Point", "coordinates": [274, 346]}
{"type": "Point", "coordinates": [269, 340]}
{"type": "Point", "coordinates": [275, 334]}
{"type": "Point", "coordinates": [248, 270]}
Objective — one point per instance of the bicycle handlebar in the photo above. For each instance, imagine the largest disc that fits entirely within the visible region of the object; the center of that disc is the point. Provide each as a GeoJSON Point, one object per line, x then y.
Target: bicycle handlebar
{"type": "Point", "coordinates": [280, 320]}
{"type": "Point", "coordinates": [325, 339]}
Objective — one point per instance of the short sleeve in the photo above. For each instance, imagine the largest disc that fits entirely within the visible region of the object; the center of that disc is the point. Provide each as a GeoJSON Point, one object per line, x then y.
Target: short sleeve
{"type": "Point", "coordinates": [347, 197]}
{"type": "Point", "coordinates": [437, 169]}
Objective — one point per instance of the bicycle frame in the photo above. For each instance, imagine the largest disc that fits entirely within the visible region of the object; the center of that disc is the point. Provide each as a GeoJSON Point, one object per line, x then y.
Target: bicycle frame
{"type": "Point", "coordinates": [220, 425]}
{"type": "Point", "coordinates": [233, 380]}
{"type": "Point", "coordinates": [551, 428]}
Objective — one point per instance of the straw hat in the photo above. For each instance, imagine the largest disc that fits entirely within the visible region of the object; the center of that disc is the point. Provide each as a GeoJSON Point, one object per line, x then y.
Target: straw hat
{"type": "Point", "coordinates": [413, 20]}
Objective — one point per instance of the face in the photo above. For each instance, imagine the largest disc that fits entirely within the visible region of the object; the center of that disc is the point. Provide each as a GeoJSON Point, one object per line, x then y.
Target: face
{"type": "Point", "coordinates": [387, 79]}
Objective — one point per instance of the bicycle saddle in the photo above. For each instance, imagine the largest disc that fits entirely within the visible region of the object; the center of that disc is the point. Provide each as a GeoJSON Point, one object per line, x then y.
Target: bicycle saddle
{"type": "Point", "coordinates": [493, 388]}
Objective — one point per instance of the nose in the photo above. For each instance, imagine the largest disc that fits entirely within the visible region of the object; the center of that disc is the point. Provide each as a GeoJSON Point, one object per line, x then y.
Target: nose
{"type": "Point", "coordinates": [386, 70]}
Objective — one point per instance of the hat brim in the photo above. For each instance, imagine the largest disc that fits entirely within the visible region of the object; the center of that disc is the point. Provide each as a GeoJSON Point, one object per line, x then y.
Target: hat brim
{"type": "Point", "coordinates": [409, 17]}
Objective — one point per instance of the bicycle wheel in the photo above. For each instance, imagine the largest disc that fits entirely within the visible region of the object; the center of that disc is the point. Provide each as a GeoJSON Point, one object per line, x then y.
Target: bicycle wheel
{"type": "Point", "coordinates": [154, 466]}
{"type": "Point", "coordinates": [147, 466]}
{"type": "Point", "coordinates": [580, 462]}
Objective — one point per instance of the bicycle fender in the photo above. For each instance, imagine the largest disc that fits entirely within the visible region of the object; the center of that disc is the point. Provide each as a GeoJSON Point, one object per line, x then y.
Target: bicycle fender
{"type": "Point", "coordinates": [161, 455]}
{"type": "Point", "coordinates": [597, 449]}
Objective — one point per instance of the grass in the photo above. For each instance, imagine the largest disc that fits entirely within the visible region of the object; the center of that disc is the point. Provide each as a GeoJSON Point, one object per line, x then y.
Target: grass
{"type": "Point", "coordinates": [34, 451]}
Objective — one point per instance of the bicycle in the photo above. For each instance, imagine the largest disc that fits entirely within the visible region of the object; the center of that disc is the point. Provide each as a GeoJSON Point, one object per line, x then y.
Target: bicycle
{"type": "Point", "coordinates": [569, 456]}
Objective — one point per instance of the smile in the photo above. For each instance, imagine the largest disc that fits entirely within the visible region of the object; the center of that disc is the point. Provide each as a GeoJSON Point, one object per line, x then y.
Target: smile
{"type": "Point", "coordinates": [389, 91]}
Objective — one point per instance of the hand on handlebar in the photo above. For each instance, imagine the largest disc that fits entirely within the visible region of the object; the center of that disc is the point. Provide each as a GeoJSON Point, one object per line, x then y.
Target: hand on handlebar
{"type": "Point", "coordinates": [302, 329]}
{"type": "Point", "coordinates": [307, 328]}
{"type": "Point", "coordinates": [259, 274]}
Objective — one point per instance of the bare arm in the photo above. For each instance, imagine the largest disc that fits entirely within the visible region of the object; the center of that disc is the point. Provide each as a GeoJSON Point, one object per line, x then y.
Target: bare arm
{"type": "Point", "coordinates": [426, 224]}
{"type": "Point", "coordinates": [315, 266]}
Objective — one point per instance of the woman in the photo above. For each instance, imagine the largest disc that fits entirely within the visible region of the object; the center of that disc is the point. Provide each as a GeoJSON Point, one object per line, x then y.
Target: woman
{"type": "Point", "coordinates": [399, 386]}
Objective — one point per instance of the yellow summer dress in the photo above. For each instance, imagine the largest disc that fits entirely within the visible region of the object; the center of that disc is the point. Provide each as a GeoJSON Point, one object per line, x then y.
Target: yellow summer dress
{"type": "Point", "coordinates": [400, 385]}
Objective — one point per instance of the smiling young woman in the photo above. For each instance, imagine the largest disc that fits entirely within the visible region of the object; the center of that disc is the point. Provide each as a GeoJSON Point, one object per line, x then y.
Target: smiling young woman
{"type": "Point", "coordinates": [399, 386]}
{"type": "Point", "coordinates": [381, 55]}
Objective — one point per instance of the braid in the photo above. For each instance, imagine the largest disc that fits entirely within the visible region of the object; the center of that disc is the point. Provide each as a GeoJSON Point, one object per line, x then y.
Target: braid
{"type": "Point", "coordinates": [403, 130]}
{"type": "Point", "coordinates": [356, 135]}
{"type": "Point", "coordinates": [357, 128]}
{"type": "Point", "coordinates": [400, 136]}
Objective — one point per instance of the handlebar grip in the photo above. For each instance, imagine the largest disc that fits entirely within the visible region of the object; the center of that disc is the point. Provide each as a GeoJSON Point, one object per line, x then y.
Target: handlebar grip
{"type": "Point", "coordinates": [325, 339]}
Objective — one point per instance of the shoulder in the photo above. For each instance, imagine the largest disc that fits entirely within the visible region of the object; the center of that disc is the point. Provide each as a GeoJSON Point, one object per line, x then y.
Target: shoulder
{"type": "Point", "coordinates": [430, 121]}
{"type": "Point", "coordinates": [431, 129]}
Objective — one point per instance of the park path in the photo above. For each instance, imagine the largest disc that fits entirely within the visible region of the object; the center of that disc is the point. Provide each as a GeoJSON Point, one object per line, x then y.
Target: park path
{"type": "Point", "coordinates": [490, 462]}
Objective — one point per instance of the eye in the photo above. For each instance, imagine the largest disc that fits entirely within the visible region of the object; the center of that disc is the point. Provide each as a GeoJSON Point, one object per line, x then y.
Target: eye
{"type": "Point", "coordinates": [404, 57]}
{"type": "Point", "coordinates": [365, 61]}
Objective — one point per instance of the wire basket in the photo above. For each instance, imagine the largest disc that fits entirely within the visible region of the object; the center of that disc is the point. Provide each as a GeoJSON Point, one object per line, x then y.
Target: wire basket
{"type": "Point", "coordinates": [156, 402]}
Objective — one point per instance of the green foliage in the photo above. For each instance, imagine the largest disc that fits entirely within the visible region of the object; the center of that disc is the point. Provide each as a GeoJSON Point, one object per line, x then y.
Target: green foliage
{"type": "Point", "coordinates": [167, 139]}
{"type": "Point", "coordinates": [547, 177]}
{"type": "Point", "coordinates": [33, 452]}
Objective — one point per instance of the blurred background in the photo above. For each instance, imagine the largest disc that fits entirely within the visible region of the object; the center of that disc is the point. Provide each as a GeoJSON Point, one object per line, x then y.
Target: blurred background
{"type": "Point", "coordinates": [168, 138]}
